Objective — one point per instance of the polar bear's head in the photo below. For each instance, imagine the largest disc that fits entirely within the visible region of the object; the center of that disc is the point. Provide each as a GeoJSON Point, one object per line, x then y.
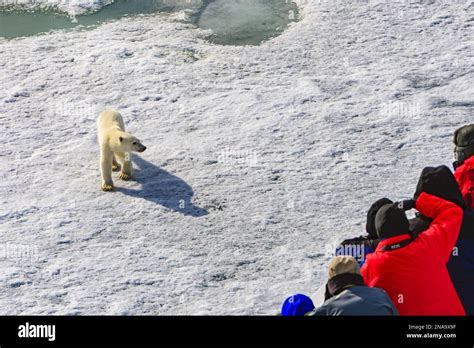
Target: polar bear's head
{"type": "Point", "coordinates": [129, 143]}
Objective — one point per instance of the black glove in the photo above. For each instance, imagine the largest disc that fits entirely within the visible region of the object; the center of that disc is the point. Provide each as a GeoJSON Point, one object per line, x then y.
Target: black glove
{"type": "Point", "coordinates": [407, 204]}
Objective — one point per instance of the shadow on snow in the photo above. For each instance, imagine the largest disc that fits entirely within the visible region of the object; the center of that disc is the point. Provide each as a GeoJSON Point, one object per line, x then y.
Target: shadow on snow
{"type": "Point", "coordinates": [163, 188]}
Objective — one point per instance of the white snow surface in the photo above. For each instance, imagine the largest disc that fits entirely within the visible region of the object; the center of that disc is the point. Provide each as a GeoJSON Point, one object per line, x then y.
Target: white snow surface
{"type": "Point", "coordinates": [276, 152]}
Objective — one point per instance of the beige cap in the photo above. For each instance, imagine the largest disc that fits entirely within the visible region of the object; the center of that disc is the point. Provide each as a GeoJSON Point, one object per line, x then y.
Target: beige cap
{"type": "Point", "coordinates": [343, 264]}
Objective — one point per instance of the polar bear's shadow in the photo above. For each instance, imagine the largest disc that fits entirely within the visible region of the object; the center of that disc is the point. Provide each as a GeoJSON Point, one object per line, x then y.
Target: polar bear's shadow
{"type": "Point", "coordinates": [163, 188]}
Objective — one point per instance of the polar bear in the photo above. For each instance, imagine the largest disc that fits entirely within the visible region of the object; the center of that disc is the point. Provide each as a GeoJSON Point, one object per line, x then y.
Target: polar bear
{"type": "Point", "coordinates": [116, 147]}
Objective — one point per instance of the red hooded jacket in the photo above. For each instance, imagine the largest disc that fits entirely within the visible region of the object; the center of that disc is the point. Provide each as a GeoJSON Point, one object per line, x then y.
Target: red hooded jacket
{"type": "Point", "coordinates": [415, 276]}
{"type": "Point", "coordinates": [465, 177]}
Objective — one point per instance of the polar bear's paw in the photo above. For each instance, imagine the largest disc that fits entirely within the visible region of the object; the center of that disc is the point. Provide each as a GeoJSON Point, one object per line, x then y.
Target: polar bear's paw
{"type": "Point", "coordinates": [125, 176]}
{"type": "Point", "coordinates": [115, 165]}
{"type": "Point", "coordinates": [107, 187]}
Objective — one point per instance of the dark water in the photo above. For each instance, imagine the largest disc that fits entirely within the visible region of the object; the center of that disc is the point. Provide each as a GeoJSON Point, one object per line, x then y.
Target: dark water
{"type": "Point", "coordinates": [17, 23]}
{"type": "Point", "coordinates": [233, 22]}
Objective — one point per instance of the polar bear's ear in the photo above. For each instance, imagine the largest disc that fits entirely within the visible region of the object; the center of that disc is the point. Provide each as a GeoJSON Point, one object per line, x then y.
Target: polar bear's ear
{"type": "Point", "coordinates": [120, 139]}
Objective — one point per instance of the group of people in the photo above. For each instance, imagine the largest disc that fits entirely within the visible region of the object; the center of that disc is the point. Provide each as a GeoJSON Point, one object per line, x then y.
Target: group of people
{"type": "Point", "coordinates": [420, 266]}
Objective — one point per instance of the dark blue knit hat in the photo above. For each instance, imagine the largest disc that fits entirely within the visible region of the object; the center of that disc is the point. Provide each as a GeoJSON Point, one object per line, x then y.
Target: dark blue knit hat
{"type": "Point", "coordinates": [297, 305]}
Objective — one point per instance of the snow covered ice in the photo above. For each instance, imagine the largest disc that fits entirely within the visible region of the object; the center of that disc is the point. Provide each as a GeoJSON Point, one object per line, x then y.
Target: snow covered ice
{"type": "Point", "coordinates": [260, 158]}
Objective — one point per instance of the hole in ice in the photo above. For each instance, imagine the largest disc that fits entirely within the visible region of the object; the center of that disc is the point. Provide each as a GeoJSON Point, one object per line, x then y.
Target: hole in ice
{"type": "Point", "coordinates": [245, 22]}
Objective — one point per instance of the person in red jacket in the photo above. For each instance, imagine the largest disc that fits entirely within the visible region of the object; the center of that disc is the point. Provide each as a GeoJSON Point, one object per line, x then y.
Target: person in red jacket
{"type": "Point", "coordinates": [464, 165]}
{"type": "Point", "coordinates": [413, 271]}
